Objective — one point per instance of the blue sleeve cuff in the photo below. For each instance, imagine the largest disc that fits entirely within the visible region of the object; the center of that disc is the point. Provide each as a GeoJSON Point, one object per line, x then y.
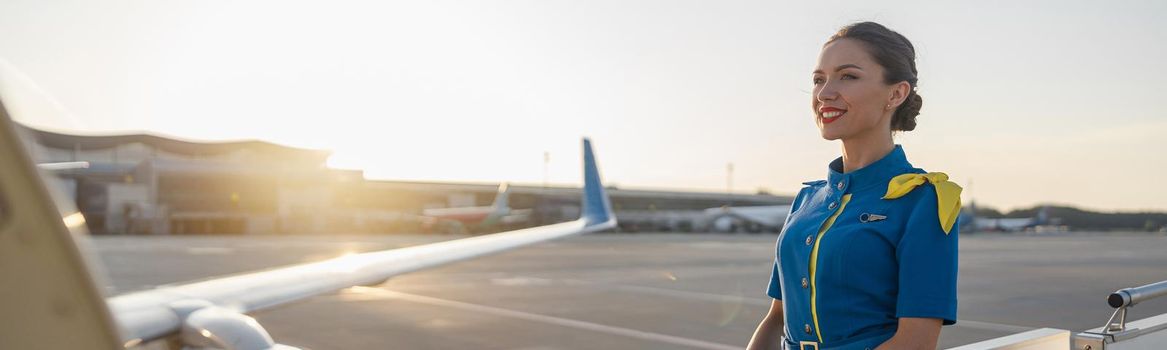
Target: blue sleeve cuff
{"type": "Point", "coordinates": [921, 307]}
{"type": "Point", "coordinates": [775, 288]}
{"type": "Point", "coordinates": [776, 294]}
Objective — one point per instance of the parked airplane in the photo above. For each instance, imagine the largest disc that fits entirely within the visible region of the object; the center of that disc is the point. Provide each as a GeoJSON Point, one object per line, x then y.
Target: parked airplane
{"type": "Point", "coordinates": [50, 283]}
{"type": "Point", "coordinates": [475, 219]}
{"type": "Point", "coordinates": [749, 219]}
{"type": "Point", "coordinates": [969, 222]}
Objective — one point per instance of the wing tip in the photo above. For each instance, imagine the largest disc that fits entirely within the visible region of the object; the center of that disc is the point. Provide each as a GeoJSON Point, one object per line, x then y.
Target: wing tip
{"type": "Point", "coordinates": [597, 207]}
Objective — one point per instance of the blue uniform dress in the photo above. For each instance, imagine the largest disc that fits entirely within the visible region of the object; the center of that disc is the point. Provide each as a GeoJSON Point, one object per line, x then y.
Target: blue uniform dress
{"type": "Point", "coordinates": [864, 248]}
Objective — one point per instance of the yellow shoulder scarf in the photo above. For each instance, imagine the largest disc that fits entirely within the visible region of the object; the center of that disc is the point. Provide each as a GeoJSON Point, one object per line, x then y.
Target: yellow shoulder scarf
{"type": "Point", "coordinates": [947, 194]}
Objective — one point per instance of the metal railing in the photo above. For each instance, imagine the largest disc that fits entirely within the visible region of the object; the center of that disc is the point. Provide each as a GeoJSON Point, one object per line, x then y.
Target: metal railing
{"type": "Point", "coordinates": [1131, 296]}
{"type": "Point", "coordinates": [1147, 333]}
{"type": "Point", "coordinates": [1127, 297]}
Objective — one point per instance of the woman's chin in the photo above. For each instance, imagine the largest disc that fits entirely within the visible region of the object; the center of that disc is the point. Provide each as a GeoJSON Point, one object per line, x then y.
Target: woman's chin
{"type": "Point", "coordinates": [829, 135]}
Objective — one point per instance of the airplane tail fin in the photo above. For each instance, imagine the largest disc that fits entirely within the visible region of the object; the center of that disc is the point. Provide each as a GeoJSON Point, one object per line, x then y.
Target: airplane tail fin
{"type": "Point", "coordinates": [1043, 215]}
{"type": "Point", "coordinates": [597, 209]}
{"type": "Point", "coordinates": [501, 203]}
{"type": "Point", "coordinates": [967, 219]}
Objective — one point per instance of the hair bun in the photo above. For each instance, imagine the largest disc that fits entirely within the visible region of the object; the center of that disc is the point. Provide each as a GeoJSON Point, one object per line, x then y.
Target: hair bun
{"type": "Point", "coordinates": [895, 53]}
{"type": "Point", "coordinates": [904, 118]}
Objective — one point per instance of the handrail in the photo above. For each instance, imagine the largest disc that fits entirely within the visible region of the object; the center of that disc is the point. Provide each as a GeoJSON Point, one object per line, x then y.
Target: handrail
{"type": "Point", "coordinates": [1131, 296]}
{"type": "Point", "coordinates": [1121, 299]}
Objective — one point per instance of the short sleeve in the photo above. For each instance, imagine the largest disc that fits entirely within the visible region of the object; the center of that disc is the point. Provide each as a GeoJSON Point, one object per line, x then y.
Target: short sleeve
{"type": "Point", "coordinates": [927, 263]}
{"type": "Point", "coordinates": [775, 289]}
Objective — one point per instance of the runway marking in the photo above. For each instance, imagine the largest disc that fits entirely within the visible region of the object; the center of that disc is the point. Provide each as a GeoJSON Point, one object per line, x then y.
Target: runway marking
{"type": "Point", "coordinates": [521, 281]}
{"type": "Point", "coordinates": [725, 298]}
{"type": "Point", "coordinates": [675, 293]}
{"type": "Point", "coordinates": [595, 327]}
{"type": "Point", "coordinates": [209, 250]}
{"type": "Point", "coordinates": [989, 326]}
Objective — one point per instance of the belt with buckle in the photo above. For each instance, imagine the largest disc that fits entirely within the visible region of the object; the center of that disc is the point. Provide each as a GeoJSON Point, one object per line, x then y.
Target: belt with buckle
{"type": "Point", "coordinates": [802, 345]}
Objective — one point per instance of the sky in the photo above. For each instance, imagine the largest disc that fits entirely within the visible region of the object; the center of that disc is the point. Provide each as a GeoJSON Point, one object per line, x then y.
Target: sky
{"type": "Point", "coordinates": [1025, 102]}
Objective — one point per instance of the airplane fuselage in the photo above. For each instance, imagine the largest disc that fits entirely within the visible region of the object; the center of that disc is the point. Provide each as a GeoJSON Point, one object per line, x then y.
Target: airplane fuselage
{"type": "Point", "coordinates": [469, 215]}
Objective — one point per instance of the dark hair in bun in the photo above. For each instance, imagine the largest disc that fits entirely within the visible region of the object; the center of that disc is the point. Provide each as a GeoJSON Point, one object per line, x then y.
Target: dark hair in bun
{"type": "Point", "coordinates": [898, 57]}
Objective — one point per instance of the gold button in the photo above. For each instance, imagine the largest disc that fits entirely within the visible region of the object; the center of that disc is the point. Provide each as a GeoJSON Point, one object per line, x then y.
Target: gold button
{"type": "Point", "coordinates": [832, 206]}
{"type": "Point", "coordinates": [809, 240]}
{"type": "Point", "coordinates": [840, 185]}
{"type": "Point", "coordinates": [804, 282]}
{"type": "Point", "coordinates": [806, 328]}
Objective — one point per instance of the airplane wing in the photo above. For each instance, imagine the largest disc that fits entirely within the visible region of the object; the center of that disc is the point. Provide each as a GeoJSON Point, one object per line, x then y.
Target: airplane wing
{"type": "Point", "coordinates": [156, 313]}
{"type": "Point", "coordinates": [46, 281]}
{"type": "Point", "coordinates": [49, 284]}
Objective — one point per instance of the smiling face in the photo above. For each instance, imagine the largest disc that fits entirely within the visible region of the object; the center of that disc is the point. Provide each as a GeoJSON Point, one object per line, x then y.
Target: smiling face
{"type": "Point", "coordinates": [850, 97]}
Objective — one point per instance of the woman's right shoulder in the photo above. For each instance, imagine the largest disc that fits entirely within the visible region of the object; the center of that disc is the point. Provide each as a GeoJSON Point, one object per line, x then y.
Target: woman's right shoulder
{"type": "Point", "coordinates": [815, 183]}
{"type": "Point", "coordinates": [807, 190]}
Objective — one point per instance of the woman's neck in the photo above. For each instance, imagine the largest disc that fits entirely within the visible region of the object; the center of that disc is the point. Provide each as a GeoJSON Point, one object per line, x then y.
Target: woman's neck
{"type": "Point", "coordinates": [861, 151]}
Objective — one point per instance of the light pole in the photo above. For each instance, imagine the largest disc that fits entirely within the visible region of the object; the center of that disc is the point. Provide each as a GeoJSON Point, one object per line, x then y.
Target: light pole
{"type": "Point", "coordinates": [729, 183]}
{"type": "Point", "coordinates": [546, 160]}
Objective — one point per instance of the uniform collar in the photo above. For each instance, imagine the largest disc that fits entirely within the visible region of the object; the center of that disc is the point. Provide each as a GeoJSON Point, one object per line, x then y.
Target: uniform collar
{"type": "Point", "coordinates": [877, 173]}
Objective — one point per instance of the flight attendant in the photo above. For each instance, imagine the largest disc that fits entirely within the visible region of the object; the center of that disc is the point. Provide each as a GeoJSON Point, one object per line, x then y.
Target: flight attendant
{"type": "Point", "coordinates": [868, 257]}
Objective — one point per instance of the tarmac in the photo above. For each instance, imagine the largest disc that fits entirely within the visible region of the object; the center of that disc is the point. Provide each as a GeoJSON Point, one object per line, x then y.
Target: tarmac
{"type": "Point", "coordinates": [630, 291]}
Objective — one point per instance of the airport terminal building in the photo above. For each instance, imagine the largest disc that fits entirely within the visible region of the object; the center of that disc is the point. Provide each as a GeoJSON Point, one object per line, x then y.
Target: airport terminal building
{"type": "Point", "coordinates": [147, 184]}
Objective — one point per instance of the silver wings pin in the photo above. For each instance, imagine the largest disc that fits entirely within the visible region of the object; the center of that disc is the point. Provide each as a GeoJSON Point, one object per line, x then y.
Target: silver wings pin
{"type": "Point", "coordinates": [866, 217]}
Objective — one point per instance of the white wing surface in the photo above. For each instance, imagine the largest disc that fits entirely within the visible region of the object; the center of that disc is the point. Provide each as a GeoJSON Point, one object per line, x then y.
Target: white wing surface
{"type": "Point", "coordinates": [164, 311]}
{"type": "Point", "coordinates": [49, 284]}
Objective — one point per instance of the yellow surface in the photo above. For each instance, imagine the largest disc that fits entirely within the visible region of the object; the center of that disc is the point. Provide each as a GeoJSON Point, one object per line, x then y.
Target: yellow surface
{"type": "Point", "coordinates": [947, 194]}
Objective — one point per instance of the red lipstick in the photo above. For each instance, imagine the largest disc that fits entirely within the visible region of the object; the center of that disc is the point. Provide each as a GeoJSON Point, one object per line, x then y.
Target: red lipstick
{"type": "Point", "coordinates": [830, 114]}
